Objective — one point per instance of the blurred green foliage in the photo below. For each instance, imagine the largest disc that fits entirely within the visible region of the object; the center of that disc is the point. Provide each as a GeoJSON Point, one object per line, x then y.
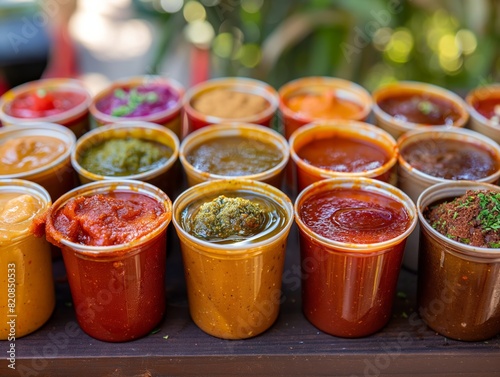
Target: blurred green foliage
{"type": "Point", "coordinates": [452, 43]}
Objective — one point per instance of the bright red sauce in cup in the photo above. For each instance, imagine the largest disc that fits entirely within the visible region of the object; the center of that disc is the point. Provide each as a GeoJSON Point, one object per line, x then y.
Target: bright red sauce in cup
{"type": "Point", "coordinates": [486, 107]}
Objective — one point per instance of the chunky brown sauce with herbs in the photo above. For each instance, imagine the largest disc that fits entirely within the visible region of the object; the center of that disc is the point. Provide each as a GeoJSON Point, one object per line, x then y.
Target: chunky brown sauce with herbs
{"type": "Point", "coordinates": [450, 159]}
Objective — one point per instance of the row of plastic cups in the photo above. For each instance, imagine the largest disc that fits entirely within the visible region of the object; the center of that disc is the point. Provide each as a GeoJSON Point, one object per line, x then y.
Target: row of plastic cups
{"type": "Point", "coordinates": [352, 236]}
{"type": "Point", "coordinates": [398, 108]}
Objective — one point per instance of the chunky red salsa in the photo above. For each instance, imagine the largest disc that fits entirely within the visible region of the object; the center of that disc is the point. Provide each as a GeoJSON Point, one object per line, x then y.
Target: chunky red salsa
{"type": "Point", "coordinates": [420, 108]}
{"type": "Point", "coordinates": [355, 216]}
{"type": "Point", "coordinates": [488, 107]}
{"type": "Point", "coordinates": [43, 103]}
{"type": "Point", "coordinates": [344, 154]}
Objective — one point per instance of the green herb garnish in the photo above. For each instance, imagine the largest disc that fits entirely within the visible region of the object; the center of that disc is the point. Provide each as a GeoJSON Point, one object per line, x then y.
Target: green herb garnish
{"type": "Point", "coordinates": [426, 107]}
{"type": "Point", "coordinates": [134, 100]}
{"type": "Point", "coordinates": [489, 216]}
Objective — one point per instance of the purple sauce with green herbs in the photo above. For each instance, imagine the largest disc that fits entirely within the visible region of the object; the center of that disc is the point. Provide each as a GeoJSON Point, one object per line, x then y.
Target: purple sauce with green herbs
{"type": "Point", "coordinates": [138, 101]}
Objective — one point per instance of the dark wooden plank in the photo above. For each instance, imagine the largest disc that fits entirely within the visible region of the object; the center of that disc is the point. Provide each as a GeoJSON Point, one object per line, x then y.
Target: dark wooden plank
{"type": "Point", "coordinates": [292, 347]}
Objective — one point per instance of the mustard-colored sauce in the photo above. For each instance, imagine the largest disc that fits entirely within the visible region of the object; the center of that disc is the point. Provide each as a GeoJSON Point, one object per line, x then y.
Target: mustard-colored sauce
{"type": "Point", "coordinates": [230, 104]}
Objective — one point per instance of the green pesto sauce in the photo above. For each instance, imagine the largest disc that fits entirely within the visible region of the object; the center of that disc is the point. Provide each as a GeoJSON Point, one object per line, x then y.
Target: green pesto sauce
{"type": "Point", "coordinates": [122, 157]}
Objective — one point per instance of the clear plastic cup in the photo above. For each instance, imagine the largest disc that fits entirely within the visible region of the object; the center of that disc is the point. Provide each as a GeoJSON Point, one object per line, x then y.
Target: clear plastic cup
{"type": "Point", "coordinates": [170, 117]}
{"type": "Point", "coordinates": [167, 176]}
{"type": "Point", "coordinates": [118, 290]}
{"type": "Point", "coordinates": [341, 89]}
{"type": "Point", "coordinates": [56, 175]}
{"type": "Point", "coordinates": [75, 118]}
{"type": "Point", "coordinates": [27, 287]}
{"type": "Point", "coordinates": [365, 133]}
{"type": "Point", "coordinates": [234, 288]}
{"type": "Point", "coordinates": [458, 284]}
{"type": "Point", "coordinates": [197, 119]}
{"type": "Point", "coordinates": [348, 287]}
{"type": "Point", "coordinates": [395, 126]}
{"type": "Point", "coordinates": [254, 137]}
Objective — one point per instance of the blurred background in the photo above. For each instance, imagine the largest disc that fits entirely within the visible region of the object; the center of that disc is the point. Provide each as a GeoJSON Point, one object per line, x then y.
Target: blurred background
{"type": "Point", "coordinates": [452, 43]}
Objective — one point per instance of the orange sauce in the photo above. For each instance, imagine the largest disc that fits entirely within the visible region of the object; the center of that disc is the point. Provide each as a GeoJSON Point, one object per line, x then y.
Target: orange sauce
{"type": "Point", "coordinates": [325, 105]}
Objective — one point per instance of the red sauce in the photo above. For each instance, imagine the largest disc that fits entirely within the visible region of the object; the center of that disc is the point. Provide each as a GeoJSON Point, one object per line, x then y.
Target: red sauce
{"type": "Point", "coordinates": [43, 103]}
{"type": "Point", "coordinates": [486, 107]}
{"type": "Point", "coordinates": [344, 154]}
{"type": "Point", "coordinates": [450, 159]}
{"type": "Point", "coordinates": [421, 109]}
{"type": "Point", "coordinates": [108, 219]}
{"type": "Point", "coordinates": [355, 216]}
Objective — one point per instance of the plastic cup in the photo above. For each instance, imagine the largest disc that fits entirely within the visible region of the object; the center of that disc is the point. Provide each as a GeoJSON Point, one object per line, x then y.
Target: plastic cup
{"type": "Point", "coordinates": [478, 122]}
{"type": "Point", "coordinates": [27, 288]}
{"type": "Point", "coordinates": [167, 176]}
{"type": "Point", "coordinates": [75, 118]}
{"type": "Point", "coordinates": [348, 288]}
{"type": "Point", "coordinates": [197, 119]}
{"type": "Point", "coordinates": [413, 181]}
{"type": "Point", "coordinates": [234, 289]}
{"type": "Point", "coordinates": [458, 284]}
{"type": "Point", "coordinates": [57, 175]}
{"type": "Point", "coordinates": [118, 291]}
{"type": "Point", "coordinates": [170, 118]}
{"type": "Point", "coordinates": [396, 127]}
{"type": "Point", "coordinates": [254, 136]}
{"type": "Point", "coordinates": [343, 89]}
{"type": "Point", "coordinates": [359, 131]}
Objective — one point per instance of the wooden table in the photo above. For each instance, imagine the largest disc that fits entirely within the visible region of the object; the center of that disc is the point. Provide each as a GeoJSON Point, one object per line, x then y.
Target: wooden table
{"type": "Point", "coordinates": [292, 347]}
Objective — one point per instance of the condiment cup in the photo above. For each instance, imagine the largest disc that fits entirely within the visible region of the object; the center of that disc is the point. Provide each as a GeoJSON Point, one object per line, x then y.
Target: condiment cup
{"type": "Point", "coordinates": [118, 291]}
{"type": "Point", "coordinates": [458, 284]}
{"type": "Point", "coordinates": [413, 181]}
{"type": "Point", "coordinates": [396, 127]}
{"type": "Point", "coordinates": [170, 118]}
{"type": "Point", "coordinates": [167, 176]}
{"type": "Point", "coordinates": [76, 118]}
{"type": "Point", "coordinates": [478, 121]}
{"type": "Point", "coordinates": [234, 288]}
{"type": "Point", "coordinates": [254, 136]}
{"type": "Point", "coordinates": [27, 287]}
{"type": "Point", "coordinates": [348, 288]}
{"type": "Point", "coordinates": [363, 132]}
{"type": "Point", "coordinates": [197, 119]}
{"type": "Point", "coordinates": [57, 176]}
{"type": "Point", "coordinates": [344, 89]}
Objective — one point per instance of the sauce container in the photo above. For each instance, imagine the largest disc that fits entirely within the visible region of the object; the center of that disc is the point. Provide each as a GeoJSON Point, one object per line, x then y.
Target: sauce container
{"type": "Point", "coordinates": [458, 284]}
{"type": "Point", "coordinates": [311, 99]}
{"type": "Point", "coordinates": [165, 174]}
{"type": "Point", "coordinates": [27, 296]}
{"type": "Point", "coordinates": [352, 237]}
{"type": "Point", "coordinates": [230, 99]}
{"type": "Point", "coordinates": [143, 99]}
{"type": "Point", "coordinates": [342, 148]}
{"type": "Point", "coordinates": [234, 150]}
{"type": "Point", "coordinates": [484, 108]}
{"type": "Point", "coordinates": [61, 101]}
{"type": "Point", "coordinates": [429, 156]}
{"type": "Point", "coordinates": [42, 155]}
{"type": "Point", "coordinates": [234, 288]}
{"type": "Point", "coordinates": [114, 253]}
{"type": "Point", "coordinates": [409, 105]}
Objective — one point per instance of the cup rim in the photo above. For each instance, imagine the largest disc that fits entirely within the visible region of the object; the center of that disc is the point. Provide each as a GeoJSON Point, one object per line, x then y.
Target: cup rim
{"type": "Point", "coordinates": [64, 117]}
{"type": "Point", "coordinates": [469, 100]}
{"type": "Point", "coordinates": [354, 127]}
{"type": "Point", "coordinates": [445, 190]}
{"type": "Point", "coordinates": [215, 186]}
{"type": "Point", "coordinates": [134, 81]}
{"type": "Point", "coordinates": [106, 186]}
{"type": "Point", "coordinates": [365, 184]}
{"type": "Point", "coordinates": [421, 87]}
{"type": "Point", "coordinates": [255, 87]}
{"type": "Point", "coordinates": [28, 187]}
{"type": "Point", "coordinates": [125, 125]}
{"type": "Point", "coordinates": [65, 135]}
{"type": "Point", "coordinates": [363, 96]}
{"type": "Point", "coordinates": [232, 129]}
{"type": "Point", "coordinates": [481, 139]}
